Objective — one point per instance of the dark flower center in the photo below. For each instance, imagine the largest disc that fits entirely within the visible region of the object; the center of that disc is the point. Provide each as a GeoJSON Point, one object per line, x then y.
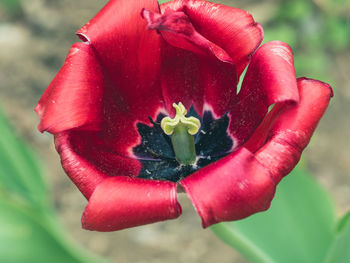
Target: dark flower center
{"type": "Point", "coordinates": [156, 153]}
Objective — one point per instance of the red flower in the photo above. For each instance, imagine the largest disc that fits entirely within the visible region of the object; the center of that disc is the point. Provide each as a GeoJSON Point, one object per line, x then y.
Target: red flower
{"type": "Point", "coordinates": [131, 68]}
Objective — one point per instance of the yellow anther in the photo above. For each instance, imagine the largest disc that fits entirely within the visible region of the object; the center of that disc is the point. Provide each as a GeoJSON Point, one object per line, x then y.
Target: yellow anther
{"type": "Point", "coordinates": [191, 123]}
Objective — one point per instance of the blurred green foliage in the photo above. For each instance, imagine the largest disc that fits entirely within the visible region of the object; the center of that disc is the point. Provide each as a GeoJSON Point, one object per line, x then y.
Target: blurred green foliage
{"type": "Point", "coordinates": [300, 225]}
{"type": "Point", "coordinates": [29, 229]}
{"type": "Point", "coordinates": [315, 32]}
{"type": "Point", "coordinates": [339, 251]}
{"type": "Point", "coordinates": [12, 7]}
{"type": "Point", "coordinates": [20, 172]}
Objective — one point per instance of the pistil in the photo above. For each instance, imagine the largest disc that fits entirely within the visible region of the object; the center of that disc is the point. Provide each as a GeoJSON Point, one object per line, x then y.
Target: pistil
{"type": "Point", "coordinates": [182, 129]}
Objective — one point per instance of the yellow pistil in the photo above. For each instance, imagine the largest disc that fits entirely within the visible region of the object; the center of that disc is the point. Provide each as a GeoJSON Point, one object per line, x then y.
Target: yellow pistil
{"type": "Point", "coordinates": [182, 129]}
{"type": "Point", "coordinates": [191, 123]}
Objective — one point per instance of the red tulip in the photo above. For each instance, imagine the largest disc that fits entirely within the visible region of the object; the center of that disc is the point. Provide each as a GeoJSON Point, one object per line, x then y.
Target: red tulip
{"type": "Point", "coordinates": [135, 60]}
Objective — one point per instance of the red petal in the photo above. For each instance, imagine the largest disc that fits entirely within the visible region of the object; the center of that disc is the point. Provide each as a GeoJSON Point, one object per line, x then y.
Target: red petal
{"type": "Point", "coordinates": [122, 202]}
{"type": "Point", "coordinates": [230, 189]}
{"type": "Point", "coordinates": [205, 83]}
{"type": "Point", "coordinates": [195, 70]}
{"type": "Point", "coordinates": [128, 52]}
{"type": "Point", "coordinates": [177, 30]}
{"type": "Point", "coordinates": [87, 163]}
{"type": "Point", "coordinates": [180, 78]}
{"type": "Point", "coordinates": [130, 55]}
{"type": "Point", "coordinates": [293, 128]}
{"type": "Point", "coordinates": [83, 174]}
{"type": "Point", "coordinates": [270, 79]}
{"type": "Point", "coordinates": [74, 97]}
{"type": "Point", "coordinates": [243, 183]}
{"type": "Point", "coordinates": [232, 29]}
{"type": "Point", "coordinates": [220, 86]}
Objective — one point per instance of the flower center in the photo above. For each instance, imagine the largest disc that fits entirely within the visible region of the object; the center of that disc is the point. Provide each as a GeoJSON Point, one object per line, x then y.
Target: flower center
{"type": "Point", "coordinates": [182, 129]}
{"type": "Point", "coordinates": [173, 148]}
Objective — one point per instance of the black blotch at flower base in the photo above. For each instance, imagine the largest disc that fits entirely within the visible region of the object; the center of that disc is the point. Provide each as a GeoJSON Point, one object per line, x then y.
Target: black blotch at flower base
{"type": "Point", "coordinates": [156, 154]}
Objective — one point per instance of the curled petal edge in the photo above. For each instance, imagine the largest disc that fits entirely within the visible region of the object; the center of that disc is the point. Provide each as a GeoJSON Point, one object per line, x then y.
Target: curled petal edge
{"type": "Point", "coordinates": [121, 202]}
{"type": "Point", "coordinates": [292, 127]}
{"type": "Point", "coordinates": [270, 79]}
{"type": "Point", "coordinates": [244, 182]}
{"type": "Point", "coordinates": [232, 29]}
{"type": "Point", "coordinates": [194, 60]}
{"type": "Point", "coordinates": [74, 98]}
{"type": "Point", "coordinates": [82, 173]}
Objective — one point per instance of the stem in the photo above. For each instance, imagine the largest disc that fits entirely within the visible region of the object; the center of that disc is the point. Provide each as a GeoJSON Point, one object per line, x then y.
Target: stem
{"type": "Point", "coordinates": [245, 246]}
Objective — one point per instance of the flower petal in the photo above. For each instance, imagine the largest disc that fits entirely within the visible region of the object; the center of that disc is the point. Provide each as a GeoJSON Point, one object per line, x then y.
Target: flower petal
{"type": "Point", "coordinates": [270, 79]}
{"type": "Point", "coordinates": [87, 163]}
{"type": "Point", "coordinates": [195, 70]}
{"type": "Point", "coordinates": [180, 79]}
{"type": "Point", "coordinates": [230, 189]}
{"type": "Point", "coordinates": [74, 97]}
{"type": "Point", "coordinates": [293, 128]}
{"type": "Point", "coordinates": [232, 29]}
{"type": "Point", "coordinates": [130, 55]}
{"type": "Point", "coordinates": [177, 29]}
{"type": "Point", "coordinates": [244, 182]}
{"type": "Point", "coordinates": [83, 174]}
{"type": "Point", "coordinates": [121, 202]}
{"type": "Point", "coordinates": [205, 83]}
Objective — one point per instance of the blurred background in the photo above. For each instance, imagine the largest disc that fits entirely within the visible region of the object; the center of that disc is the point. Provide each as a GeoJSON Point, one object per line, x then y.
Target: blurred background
{"type": "Point", "coordinates": [35, 36]}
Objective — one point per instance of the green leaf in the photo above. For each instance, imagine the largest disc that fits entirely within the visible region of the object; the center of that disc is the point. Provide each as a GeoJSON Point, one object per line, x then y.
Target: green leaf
{"type": "Point", "coordinates": [340, 249]}
{"type": "Point", "coordinates": [20, 172]}
{"type": "Point", "coordinates": [29, 230]}
{"type": "Point", "coordinates": [343, 222]}
{"type": "Point", "coordinates": [26, 237]}
{"type": "Point", "coordinates": [297, 228]}
{"type": "Point", "coordinates": [163, 1]}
